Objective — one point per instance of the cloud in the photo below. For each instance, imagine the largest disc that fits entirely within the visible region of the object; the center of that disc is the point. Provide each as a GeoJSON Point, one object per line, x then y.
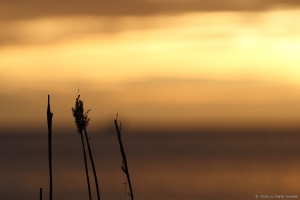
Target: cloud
{"type": "Point", "coordinates": [35, 9]}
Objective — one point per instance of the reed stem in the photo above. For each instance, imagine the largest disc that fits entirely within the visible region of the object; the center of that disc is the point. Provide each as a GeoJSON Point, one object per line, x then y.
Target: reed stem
{"type": "Point", "coordinates": [86, 167]}
{"type": "Point", "coordinates": [124, 162]}
{"type": "Point", "coordinates": [49, 122]}
{"type": "Point", "coordinates": [41, 193]}
{"type": "Point", "coordinates": [92, 162]}
{"type": "Point", "coordinates": [82, 121]}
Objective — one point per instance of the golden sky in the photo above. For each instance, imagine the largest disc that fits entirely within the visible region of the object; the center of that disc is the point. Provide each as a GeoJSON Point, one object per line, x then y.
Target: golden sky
{"type": "Point", "coordinates": [157, 63]}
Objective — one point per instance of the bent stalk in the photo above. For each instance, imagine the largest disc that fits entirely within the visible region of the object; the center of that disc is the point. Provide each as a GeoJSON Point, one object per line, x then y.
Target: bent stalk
{"type": "Point", "coordinates": [92, 162]}
{"type": "Point", "coordinates": [124, 162]}
{"type": "Point", "coordinates": [86, 167]}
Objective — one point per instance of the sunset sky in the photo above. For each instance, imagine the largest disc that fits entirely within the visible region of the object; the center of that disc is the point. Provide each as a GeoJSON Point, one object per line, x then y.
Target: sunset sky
{"type": "Point", "coordinates": [158, 63]}
{"type": "Point", "coordinates": [197, 85]}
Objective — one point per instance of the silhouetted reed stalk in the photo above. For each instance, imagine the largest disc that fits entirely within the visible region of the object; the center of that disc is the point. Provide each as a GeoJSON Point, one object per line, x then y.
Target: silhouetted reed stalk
{"type": "Point", "coordinates": [41, 193]}
{"type": "Point", "coordinates": [86, 167]}
{"type": "Point", "coordinates": [124, 165]}
{"type": "Point", "coordinates": [92, 162]}
{"type": "Point", "coordinates": [49, 122]}
{"type": "Point", "coordinates": [82, 121]}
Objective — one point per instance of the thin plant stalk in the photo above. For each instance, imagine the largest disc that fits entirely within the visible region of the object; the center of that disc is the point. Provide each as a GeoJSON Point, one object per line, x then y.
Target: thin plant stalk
{"type": "Point", "coordinates": [49, 122]}
{"type": "Point", "coordinates": [86, 167]}
{"type": "Point", "coordinates": [81, 120]}
{"type": "Point", "coordinates": [92, 162]}
{"type": "Point", "coordinates": [124, 162]}
{"type": "Point", "coordinates": [41, 193]}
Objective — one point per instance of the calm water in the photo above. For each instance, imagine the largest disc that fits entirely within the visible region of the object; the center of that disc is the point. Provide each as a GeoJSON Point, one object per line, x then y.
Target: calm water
{"type": "Point", "coordinates": [162, 167]}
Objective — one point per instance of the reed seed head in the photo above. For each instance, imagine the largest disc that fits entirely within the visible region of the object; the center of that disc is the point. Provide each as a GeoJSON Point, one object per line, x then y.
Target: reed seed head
{"type": "Point", "coordinates": [81, 117]}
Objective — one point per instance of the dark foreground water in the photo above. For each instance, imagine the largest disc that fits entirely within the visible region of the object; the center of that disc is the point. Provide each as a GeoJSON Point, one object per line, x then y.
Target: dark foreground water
{"type": "Point", "coordinates": [162, 167]}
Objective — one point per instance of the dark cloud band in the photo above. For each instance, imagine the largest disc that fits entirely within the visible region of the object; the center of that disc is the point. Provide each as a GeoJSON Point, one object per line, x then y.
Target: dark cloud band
{"type": "Point", "coordinates": [33, 8]}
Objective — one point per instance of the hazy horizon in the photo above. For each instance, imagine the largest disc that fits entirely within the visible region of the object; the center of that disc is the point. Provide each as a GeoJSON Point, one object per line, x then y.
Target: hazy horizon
{"type": "Point", "coordinates": [160, 104]}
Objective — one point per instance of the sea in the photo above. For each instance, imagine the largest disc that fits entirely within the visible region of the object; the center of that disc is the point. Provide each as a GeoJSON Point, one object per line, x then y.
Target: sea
{"type": "Point", "coordinates": [162, 166]}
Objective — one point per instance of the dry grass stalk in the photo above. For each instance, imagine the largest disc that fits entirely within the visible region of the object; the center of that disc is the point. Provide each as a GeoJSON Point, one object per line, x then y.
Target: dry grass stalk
{"type": "Point", "coordinates": [124, 165]}
{"type": "Point", "coordinates": [49, 122]}
{"type": "Point", "coordinates": [82, 121]}
{"type": "Point", "coordinates": [92, 162]}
